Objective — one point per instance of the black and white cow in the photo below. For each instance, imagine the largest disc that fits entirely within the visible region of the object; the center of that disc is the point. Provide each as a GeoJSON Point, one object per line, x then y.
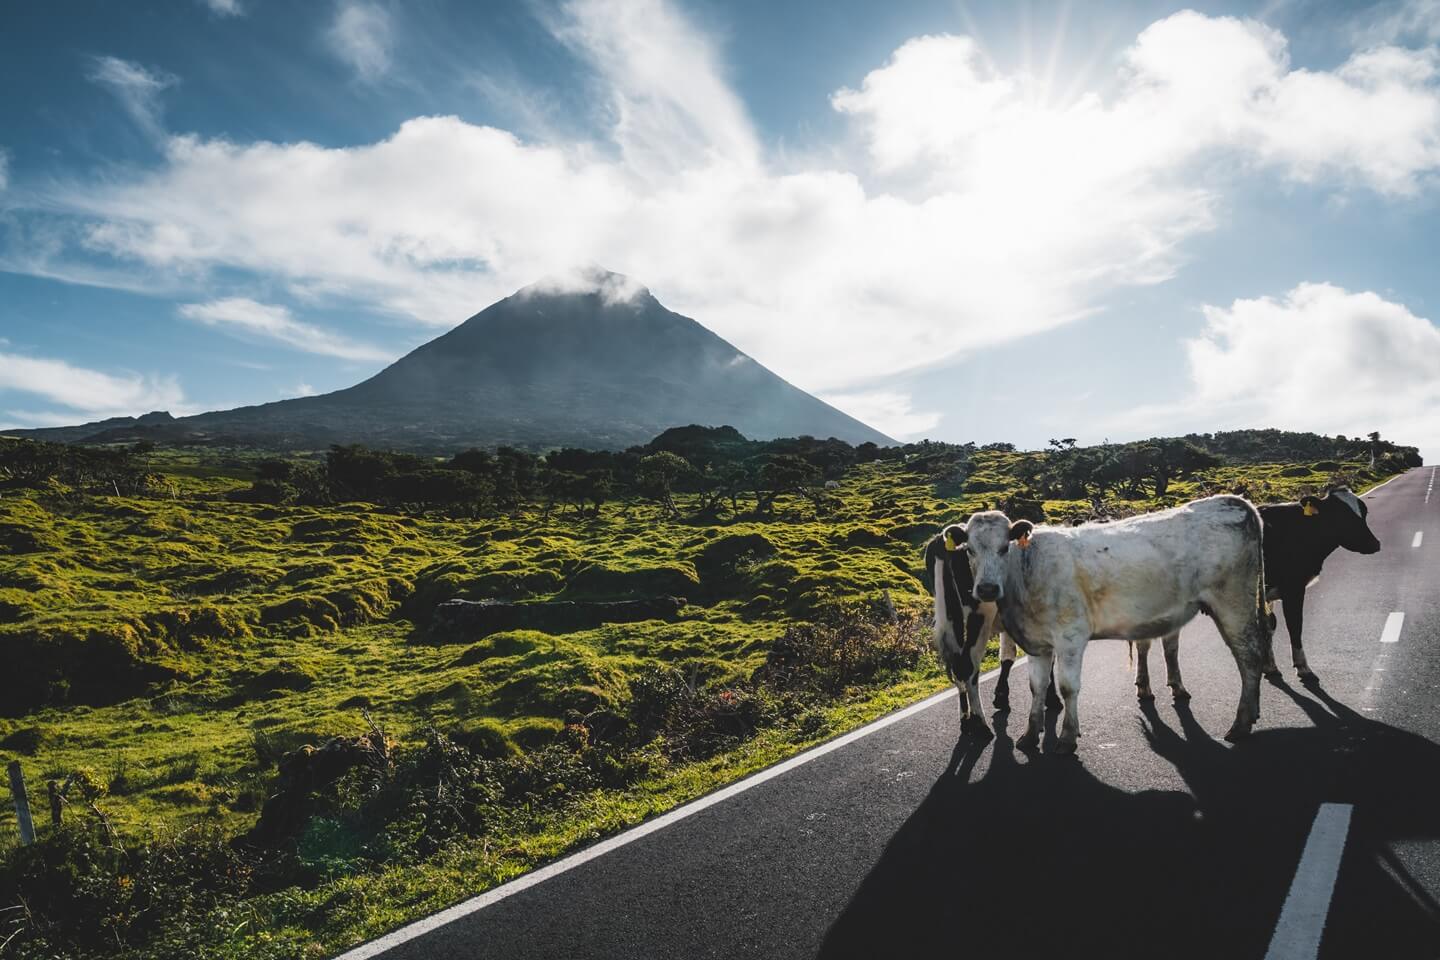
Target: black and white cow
{"type": "Point", "coordinates": [1061, 587]}
{"type": "Point", "coordinates": [1298, 537]}
{"type": "Point", "coordinates": [957, 613]}
{"type": "Point", "coordinates": [963, 625]}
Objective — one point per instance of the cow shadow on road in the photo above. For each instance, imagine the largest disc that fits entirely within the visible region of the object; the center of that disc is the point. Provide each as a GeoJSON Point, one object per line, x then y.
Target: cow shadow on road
{"type": "Point", "coordinates": [1039, 857]}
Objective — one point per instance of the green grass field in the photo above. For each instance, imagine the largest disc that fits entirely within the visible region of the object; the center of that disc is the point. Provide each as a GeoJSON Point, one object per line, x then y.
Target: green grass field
{"type": "Point", "coordinates": [164, 652]}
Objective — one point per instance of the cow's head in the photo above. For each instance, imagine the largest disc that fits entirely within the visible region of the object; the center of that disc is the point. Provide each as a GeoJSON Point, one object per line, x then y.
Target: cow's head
{"type": "Point", "coordinates": [948, 546]}
{"type": "Point", "coordinates": [1344, 516]}
{"type": "Point", "coordinates": [987, 539]}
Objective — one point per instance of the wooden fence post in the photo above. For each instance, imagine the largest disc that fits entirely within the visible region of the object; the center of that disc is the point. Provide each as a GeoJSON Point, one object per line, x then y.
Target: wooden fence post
{"type": "Point", "coordinates": [22, 804]}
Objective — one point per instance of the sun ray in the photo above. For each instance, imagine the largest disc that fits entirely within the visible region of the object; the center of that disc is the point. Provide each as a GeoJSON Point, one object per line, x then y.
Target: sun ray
{"type": "Point", "coordinates": [1057, 49]}
{"type": "Point", "coordinates": [972, 29]}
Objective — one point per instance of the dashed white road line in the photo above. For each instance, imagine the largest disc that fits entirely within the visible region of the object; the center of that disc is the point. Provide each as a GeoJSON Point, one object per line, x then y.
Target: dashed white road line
{"type": "Point", "coordinates": [1302, 919]}
{"type": "Point", "coordinates": [1431, 485]}
{"type": "Point", "coordinates": [1419, 538]}
{"type": "Point", "coordinates": [565, 864]}
{"type": "Point", "coordinates": [1393, 623]}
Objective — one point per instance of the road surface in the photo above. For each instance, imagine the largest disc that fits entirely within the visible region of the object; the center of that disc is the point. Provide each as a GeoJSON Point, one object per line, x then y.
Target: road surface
{"type": "Point", "coordinates": [1320, 836]}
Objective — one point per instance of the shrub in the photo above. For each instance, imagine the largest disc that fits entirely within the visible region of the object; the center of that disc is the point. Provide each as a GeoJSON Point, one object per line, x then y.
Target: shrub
{"type": "Point", "coordinates": [842, 650]}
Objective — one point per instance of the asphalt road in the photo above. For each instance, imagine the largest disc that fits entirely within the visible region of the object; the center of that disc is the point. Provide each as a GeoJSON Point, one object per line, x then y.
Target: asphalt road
{"type": "Point", "coordinates": [1157, 839]}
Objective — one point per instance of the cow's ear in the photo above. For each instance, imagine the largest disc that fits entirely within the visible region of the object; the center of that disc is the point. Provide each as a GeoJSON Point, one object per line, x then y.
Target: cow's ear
{"type": "Point", "coordinates": [954, 536]}
{"type": "Point", "coordinates": [1020, 530]}
{"type": "Point", "coordinates": [1310, 505]}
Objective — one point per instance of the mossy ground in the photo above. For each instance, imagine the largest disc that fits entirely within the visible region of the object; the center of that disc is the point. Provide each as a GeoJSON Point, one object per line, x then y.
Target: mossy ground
{"type": "Point", "coordinates": [172, 648]}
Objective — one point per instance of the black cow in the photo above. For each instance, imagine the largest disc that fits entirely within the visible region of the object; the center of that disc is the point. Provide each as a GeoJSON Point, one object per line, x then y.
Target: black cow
{"type": "Point", "coordinates": [1298, 538]}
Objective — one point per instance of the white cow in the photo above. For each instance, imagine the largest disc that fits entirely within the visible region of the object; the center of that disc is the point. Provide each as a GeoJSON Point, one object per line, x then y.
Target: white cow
{"type": "Point", "coordinates": [1133, 579]}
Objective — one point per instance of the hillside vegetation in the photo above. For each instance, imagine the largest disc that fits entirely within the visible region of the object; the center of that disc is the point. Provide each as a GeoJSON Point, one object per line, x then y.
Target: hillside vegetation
{"type": "Point", "coordinates": [185, 633]}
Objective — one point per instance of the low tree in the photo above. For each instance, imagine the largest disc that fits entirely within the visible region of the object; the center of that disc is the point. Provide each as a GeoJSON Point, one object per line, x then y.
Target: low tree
{"type": "Point", "coordinates": [657, 476]}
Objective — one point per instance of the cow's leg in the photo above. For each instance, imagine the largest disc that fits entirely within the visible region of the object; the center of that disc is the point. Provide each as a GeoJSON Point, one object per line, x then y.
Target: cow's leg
{"type": "Point", "coordinates": [1052, 699]}
{"type": "Point", "coordinates": [1242, 625]}
{"type": "Point", "coordinates": [1171, 643]}
{"type": "Point", "coordinates": [1067, 676]}
{"type": "Point", "coordinates": [1270, 669]}
{"type": "Point", "coordinates": [1039, 682]}
{"type": "Point", "coordinates": [1140, 650]}
{"type": "Point", "coordinates": [1294, 601]}
{"type": "Point", "coordinates": [975, 723]}
{"type": "Point", "coordinates": [1007, 660]}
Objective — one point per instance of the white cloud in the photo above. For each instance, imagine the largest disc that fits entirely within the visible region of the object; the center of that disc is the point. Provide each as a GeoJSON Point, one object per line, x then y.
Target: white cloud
{"type": "Point", "coordinates": [137, 88]}
{"type": "Point", "coordinates": [247, 318]}
{"type": "Point", "coordinates": [672, 109]}
{"type": "Point", "coordinates": [4, 168]}
{"type": "Point", "coordinates": [91, 392]}
{"type": "Point", "coordinates": [974, 213]}
{"type": "Point", "coordinates": [361, 36]}
{"type": "Point", "coordinates": [225, 8]}
{"type": "Point", "coordinates": [1405, 20]}
{"type": "Point", "coordinates": [1318, 358]}
{"type": "Point", "coordinates": [888, 411]}
{"type": "Point", "coordinates": [300, 390]}
{"type": "Point", "coordinates": [1193, 86]}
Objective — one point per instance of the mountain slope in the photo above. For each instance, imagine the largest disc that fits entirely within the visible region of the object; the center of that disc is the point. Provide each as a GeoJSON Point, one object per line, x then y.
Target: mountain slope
{"type": "Point", "coordinates": [542, 368]}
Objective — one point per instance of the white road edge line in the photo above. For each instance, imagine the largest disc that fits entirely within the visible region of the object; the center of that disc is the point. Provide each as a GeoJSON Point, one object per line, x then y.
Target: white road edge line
{"type": "Point", "coordinates": [1419, 538]}
{"type": "Point", "coordinates": [1302, 919]}
{"type": "Point", "coordinates": [1396, 477]}
{"type": "Point", "coordinates": [565, 864]}
{"type": "Point", "coordinates": [1393, 623]}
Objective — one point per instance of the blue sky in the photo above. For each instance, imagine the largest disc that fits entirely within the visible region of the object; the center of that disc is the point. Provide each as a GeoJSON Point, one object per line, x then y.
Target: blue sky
{"type": "Point", "coordinates": [958, 220]}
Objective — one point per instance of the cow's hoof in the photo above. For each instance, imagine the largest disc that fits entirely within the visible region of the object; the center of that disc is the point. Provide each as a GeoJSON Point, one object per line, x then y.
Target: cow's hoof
{"type": "Point", "coordinates": [973, 724]}
{"type": "Point", "coordinates": [1180, 693]}
{"type": "Point", "coordinates": [1144, 696]}
{"type": "Point", "coordinates": [1002, 702]}
{"type": "Point", "coordinates": [1237, 733]}
{"type": "Point", "coordinates": [1029, 742]}
{"type": "Point", "coordinates": [1273, 674]}
{"type": "Point", "coordinates": [1063, 746]}
{"type": "Point", "coordinates": [1305, 674]}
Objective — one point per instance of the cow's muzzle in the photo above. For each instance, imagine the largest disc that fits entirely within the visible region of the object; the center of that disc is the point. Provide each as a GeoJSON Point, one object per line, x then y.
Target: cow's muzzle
{"type": "Point", "coordinates": [987, 592]}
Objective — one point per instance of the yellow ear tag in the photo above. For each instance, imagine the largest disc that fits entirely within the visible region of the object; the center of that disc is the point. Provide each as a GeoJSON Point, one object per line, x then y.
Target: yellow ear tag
{"type": "Point", "coordinates": [950, 542]}
{"type": "Point", "coordinates": [1023, 542]}
{"type": "Point", "coordinates": [1311, 510]}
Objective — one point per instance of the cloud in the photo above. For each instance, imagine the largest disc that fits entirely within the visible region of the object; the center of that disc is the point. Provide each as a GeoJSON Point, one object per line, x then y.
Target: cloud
{"type": "Point", "coordinates": [137, 88]}
{"type": "Point", "coordinates": [300, 390]}
{"type": "Point", "coordinates": [4, 168]}
{"type": "Point", "coordinates": [672, 109]}
{"type": "Point", "coordinates": [1192, 86]}
{"type": "Point", "coordinates": [225, 8]}
{"type": "Point", "coordinates": [1318, 358]}
{"type": "Point", "coordinates": [361, 36]}
{"type": "Point", "coordinates": [964, 212]}
{"type": "Point", "coordinates": [888, 411]}
{"type": "Point", "coordinates": [1406, 20]}
{"type": "Point", "coordinates": [92, 392]}
{"type": "Point", "coordinates": [246, 318]}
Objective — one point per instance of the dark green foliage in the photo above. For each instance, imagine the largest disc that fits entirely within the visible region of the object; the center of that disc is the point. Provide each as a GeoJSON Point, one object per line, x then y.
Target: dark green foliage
{"type": "Point", "coordinates": [89, 894]}
{"type": "Point", "coordinates": [31, 463]}
{"type": "Point", "coordinates": [843, 649]}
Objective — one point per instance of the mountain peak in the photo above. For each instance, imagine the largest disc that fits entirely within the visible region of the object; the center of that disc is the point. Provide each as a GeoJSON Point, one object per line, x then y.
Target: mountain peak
{"type": "Point", "coordinates": [612, 288]}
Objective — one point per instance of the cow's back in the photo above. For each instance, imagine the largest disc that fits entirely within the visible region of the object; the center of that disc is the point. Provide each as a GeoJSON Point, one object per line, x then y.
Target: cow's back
{"type": "Point", "coordinates": [1130, 577]}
